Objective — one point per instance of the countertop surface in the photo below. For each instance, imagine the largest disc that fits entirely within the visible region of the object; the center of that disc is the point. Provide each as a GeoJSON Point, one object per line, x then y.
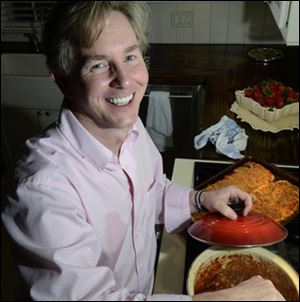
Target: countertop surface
{"type": "Point", "coordinates": [222, 69]}
{"type": "Point", "coordinates": [176, 249]}
{"type": "Point", "coordinates": [170, 268]}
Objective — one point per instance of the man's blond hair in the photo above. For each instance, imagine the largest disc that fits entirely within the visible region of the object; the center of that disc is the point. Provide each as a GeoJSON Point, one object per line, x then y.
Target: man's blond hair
{"type": "Point", "coordinates": [77, 24]}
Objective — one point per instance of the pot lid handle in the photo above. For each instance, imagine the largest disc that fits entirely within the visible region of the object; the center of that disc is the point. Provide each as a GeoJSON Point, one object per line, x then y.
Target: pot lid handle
{"type": "Point", "coordinates": [237, 204]}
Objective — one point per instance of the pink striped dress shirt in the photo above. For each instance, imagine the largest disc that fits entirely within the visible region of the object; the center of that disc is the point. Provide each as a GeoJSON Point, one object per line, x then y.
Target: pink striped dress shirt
{"type": "Point", "coordinates": [84, 219]}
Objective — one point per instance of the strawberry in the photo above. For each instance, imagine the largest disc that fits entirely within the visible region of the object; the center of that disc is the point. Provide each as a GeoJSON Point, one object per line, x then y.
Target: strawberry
{"type": "Point", "coordinates": [271, 93]}
{"type": "Point", "coordinates": [279, 102]}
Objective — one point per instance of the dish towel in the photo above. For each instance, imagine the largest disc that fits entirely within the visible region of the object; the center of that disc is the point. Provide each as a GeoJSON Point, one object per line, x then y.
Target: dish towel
{"type": "Point", "coordinates": [159, 119]}
{"type": "Point", "coordinates": [226, 135]}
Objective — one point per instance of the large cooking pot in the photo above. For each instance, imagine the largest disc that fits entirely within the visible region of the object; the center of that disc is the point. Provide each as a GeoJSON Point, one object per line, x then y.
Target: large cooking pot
{"type": "Point", "coordinates": [220, 267]}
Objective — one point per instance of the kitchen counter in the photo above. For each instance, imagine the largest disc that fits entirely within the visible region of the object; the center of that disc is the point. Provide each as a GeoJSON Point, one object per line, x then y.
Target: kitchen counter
{"type": "Point", "coordinates": [222, 69]}
{"type": "Point", "coordinates": [170, 267]}
{"type": "Point", "coordinates": [178, 251]}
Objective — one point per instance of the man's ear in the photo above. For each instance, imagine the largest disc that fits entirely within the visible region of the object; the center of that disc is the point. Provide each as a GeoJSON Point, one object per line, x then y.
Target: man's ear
{"type": "Point", "coordinates": [62, 82]}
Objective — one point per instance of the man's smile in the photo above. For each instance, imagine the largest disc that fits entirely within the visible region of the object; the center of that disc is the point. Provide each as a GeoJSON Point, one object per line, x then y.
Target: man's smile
{"type": "Point", "coordinates": [120, 101]}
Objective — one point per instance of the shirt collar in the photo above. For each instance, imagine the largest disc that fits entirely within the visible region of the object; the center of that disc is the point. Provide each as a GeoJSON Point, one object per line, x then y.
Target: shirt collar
{"type": "Point", "coordinates": [85, 144]}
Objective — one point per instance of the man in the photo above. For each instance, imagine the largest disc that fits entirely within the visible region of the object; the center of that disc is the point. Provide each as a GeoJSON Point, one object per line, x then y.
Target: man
{"type": "Point", "coordinates": [91, 188]}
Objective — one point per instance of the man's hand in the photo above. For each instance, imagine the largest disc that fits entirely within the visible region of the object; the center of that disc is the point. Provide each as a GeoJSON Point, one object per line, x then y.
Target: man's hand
{"type": "Point", "coordinates": [253, 289]}
{"type": "Point", "coordinates": [217, 200]}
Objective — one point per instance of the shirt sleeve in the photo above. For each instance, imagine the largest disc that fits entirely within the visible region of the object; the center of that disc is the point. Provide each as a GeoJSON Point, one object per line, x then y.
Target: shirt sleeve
{"type": "Point", "coordinates": [59, 250]}
{"type": "Point", "coordinates": [177, 207]}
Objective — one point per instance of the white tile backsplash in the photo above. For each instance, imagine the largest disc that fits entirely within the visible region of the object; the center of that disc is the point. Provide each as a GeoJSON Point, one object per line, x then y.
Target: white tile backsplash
{"type": "Point", "coordinates": [168, 33]}
{"type": "Point", "coordinates": [201, 30]}
{"type": "Point", "coordinates": [185, 34]}
{"type": "Point", "coordinates": [271, 32]}
{"type": "Point", "coordinates": [154, 34]}
{"type": "Point", "coordinates": [218, 24]}
{"type": "Point", "coordinates": [254, 13]}
{"type": "Point", "coordinates": [236, 23]}
{"type": "Point", "coordinates": [229, 22]}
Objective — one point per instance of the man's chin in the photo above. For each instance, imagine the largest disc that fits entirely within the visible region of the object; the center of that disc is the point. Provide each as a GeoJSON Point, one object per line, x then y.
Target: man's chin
{"type": "Point", "coordinates": [126, 123]}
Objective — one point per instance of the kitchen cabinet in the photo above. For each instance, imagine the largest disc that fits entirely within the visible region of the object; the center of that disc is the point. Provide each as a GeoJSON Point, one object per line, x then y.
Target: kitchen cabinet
{"type": "Point", "coordinates": [19, 124]}
{"type": "Point", "coordinates": [286, 15]}
{"type": "Point", "coordinates": [30, 100]}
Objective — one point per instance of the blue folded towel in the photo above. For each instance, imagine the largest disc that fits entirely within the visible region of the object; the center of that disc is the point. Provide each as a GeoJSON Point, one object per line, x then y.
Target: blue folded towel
{"type": "Point", "coordinates": [226, 135]}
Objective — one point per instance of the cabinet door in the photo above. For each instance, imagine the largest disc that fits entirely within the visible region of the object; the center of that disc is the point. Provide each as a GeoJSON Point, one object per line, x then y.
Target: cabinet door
{"type": "Point", "coordinates": [286, 15]}
{"type": "Point", "coordinates": [20, 124]}
{"type": "Point", "coordinates": [280, 11]}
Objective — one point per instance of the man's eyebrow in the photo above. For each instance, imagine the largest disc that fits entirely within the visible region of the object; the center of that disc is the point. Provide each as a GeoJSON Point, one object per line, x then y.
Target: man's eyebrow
{"type": "Point", "coordinates": [131, 48]}
{"type": "Point", "coordinates": [91, 57]}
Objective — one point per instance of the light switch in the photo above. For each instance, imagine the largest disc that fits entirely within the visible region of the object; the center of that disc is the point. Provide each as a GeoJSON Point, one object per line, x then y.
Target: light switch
{"type": "Point", "coordinates": [182, 19]}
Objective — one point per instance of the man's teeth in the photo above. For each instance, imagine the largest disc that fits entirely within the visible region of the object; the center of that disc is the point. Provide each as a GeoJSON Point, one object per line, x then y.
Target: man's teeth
{"type": "Point", "coordinates": [120, 101]}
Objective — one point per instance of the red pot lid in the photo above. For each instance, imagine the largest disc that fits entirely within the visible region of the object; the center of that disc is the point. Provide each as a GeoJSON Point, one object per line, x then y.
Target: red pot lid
{"type": "Point", "coordinates": [251, 230]}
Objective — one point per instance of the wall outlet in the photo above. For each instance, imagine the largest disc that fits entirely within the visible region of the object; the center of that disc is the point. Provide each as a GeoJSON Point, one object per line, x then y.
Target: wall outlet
{"type": "Point", "coordinates": [182, 19]}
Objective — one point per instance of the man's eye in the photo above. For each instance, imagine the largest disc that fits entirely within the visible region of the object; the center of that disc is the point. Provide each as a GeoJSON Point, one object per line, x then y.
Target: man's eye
{"type": "Point", "coordinates": [100, 67]}
{"type": "Point", "coordinates": [131, 58]}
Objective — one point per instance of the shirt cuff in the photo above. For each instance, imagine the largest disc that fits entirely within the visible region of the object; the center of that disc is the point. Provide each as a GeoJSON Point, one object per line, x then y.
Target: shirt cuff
{"type": "Point", "coordinates": [177, 207]}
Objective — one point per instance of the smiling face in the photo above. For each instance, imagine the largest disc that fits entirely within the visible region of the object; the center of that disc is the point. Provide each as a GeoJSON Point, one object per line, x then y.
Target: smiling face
{"type": "Point", "coordinates": [110, 79]}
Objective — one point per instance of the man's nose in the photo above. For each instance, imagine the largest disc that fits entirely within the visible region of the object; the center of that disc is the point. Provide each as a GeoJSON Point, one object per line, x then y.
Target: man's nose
{"type": "Point", "coordinates": [121, 77]}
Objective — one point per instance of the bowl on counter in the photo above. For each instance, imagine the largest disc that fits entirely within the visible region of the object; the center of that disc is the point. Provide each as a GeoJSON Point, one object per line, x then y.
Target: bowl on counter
{"type": "Point", "coordinates": [265, 113]}
{"type": "Point", "coordinates": [219, 268]}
